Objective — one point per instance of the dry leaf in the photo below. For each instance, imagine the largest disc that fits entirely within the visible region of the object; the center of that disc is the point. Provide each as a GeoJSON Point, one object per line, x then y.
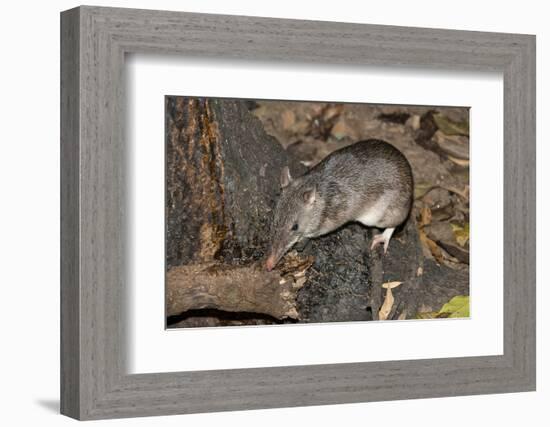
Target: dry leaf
{"type": "Point", "coordinates": [450, 127]}
{"type": "Point", "coordinates": [342, 130]}
{"type": "Point", "coordinates": [465, 194]}
{"type": "Point", "coordinates": [459, 162]}
{"type": "Point", "coordinates": [388, 301]}
{"type": "Point", "coordinates": [425, 248]}
{"type": "Point", "coordinates": [456, 146]}
{"type": "Point", "coordinates": [391, 285]}
{"type": "Point", "coordinates": [288, 118]}
{"type": "Point", "coordinates": [332, 111]}
{"type": "Point", "coordinates": [414, 121]}
{"type": "Point", "coordinates": [432, 246]}
{"type": "Point", "coordinates": [425, 216]}
{"type": "Point", "coordinates": [462, 234]}
{"type": "Point", "coordinates": [458, 306]}
{"type": "Point", "coordinates": [461, 254]}
{"type": "Point", "coordinates": [386, 307]}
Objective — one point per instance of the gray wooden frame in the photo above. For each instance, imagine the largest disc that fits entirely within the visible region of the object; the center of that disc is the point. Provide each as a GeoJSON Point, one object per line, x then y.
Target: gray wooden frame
{"type": "Point", "coordinates": [94, 383]}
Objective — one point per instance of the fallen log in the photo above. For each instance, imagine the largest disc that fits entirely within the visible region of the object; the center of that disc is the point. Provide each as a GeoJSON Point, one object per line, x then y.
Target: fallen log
{"type": "Point", "coordinates": [233, 288]}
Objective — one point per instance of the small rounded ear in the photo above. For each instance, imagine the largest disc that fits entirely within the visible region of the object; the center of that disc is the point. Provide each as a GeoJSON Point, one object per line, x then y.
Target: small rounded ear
{"type": "Point", "coordinates": [286, 178]}
{"type": "Point", "coordinates": [309, 196]}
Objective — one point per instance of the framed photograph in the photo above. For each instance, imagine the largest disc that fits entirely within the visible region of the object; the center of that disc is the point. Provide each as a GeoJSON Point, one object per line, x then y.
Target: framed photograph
{"type": "Point", "coordinates": [261, 213]}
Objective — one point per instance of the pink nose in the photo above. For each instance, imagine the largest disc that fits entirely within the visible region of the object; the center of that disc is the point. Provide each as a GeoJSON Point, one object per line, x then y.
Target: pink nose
{"type": "Point", "coordinates": [270, 263]}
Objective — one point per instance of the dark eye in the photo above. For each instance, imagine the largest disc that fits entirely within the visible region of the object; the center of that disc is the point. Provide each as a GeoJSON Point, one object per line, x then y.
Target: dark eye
{"type": "Point", "coordinates": [294, 227]}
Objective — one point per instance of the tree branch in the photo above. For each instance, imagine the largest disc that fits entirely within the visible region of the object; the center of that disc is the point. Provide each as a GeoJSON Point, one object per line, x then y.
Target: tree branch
{"type": "Point", "coordinates": [224, 287]}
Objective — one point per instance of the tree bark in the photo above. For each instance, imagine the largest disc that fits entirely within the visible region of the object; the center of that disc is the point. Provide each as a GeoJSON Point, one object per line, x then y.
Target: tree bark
{"type": "Point", "coordinates": [222, 181]}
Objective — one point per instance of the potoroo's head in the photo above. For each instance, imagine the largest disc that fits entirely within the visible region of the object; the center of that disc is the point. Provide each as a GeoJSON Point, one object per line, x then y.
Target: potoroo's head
{"type": "Point", "coordinates": [292, 217]}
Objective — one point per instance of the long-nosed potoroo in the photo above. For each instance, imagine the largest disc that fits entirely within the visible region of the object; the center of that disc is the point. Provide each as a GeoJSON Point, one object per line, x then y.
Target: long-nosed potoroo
{"type": "Point", "coordinates": [370, 182]}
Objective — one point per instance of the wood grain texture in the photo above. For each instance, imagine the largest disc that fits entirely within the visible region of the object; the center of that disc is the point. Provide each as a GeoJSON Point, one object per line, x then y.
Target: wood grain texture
{"type": "Point", "coordinates": [94, 270]}
{"type": "Point", "coordinates": [70, 291]}
{"type": "Point", "coordinates": [248, 289]}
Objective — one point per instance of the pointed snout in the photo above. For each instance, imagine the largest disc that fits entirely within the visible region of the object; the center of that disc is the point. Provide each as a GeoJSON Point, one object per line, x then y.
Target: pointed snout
{"type": "Point", "coordinates": [275, 254]}
{"type": "Point", "coordinates": [277, 251]}
{"type": "Point", "coordinates": [270, 262]}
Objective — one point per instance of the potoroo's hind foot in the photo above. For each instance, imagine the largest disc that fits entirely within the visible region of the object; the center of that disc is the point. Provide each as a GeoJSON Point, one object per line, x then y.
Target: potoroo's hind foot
{"type": "Point", "coordinates": [382, 238]}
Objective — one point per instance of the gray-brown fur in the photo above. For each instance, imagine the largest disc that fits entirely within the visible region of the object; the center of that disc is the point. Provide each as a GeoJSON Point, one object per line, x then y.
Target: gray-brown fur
{"type": "Point", "coordinates": [370, 182]}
